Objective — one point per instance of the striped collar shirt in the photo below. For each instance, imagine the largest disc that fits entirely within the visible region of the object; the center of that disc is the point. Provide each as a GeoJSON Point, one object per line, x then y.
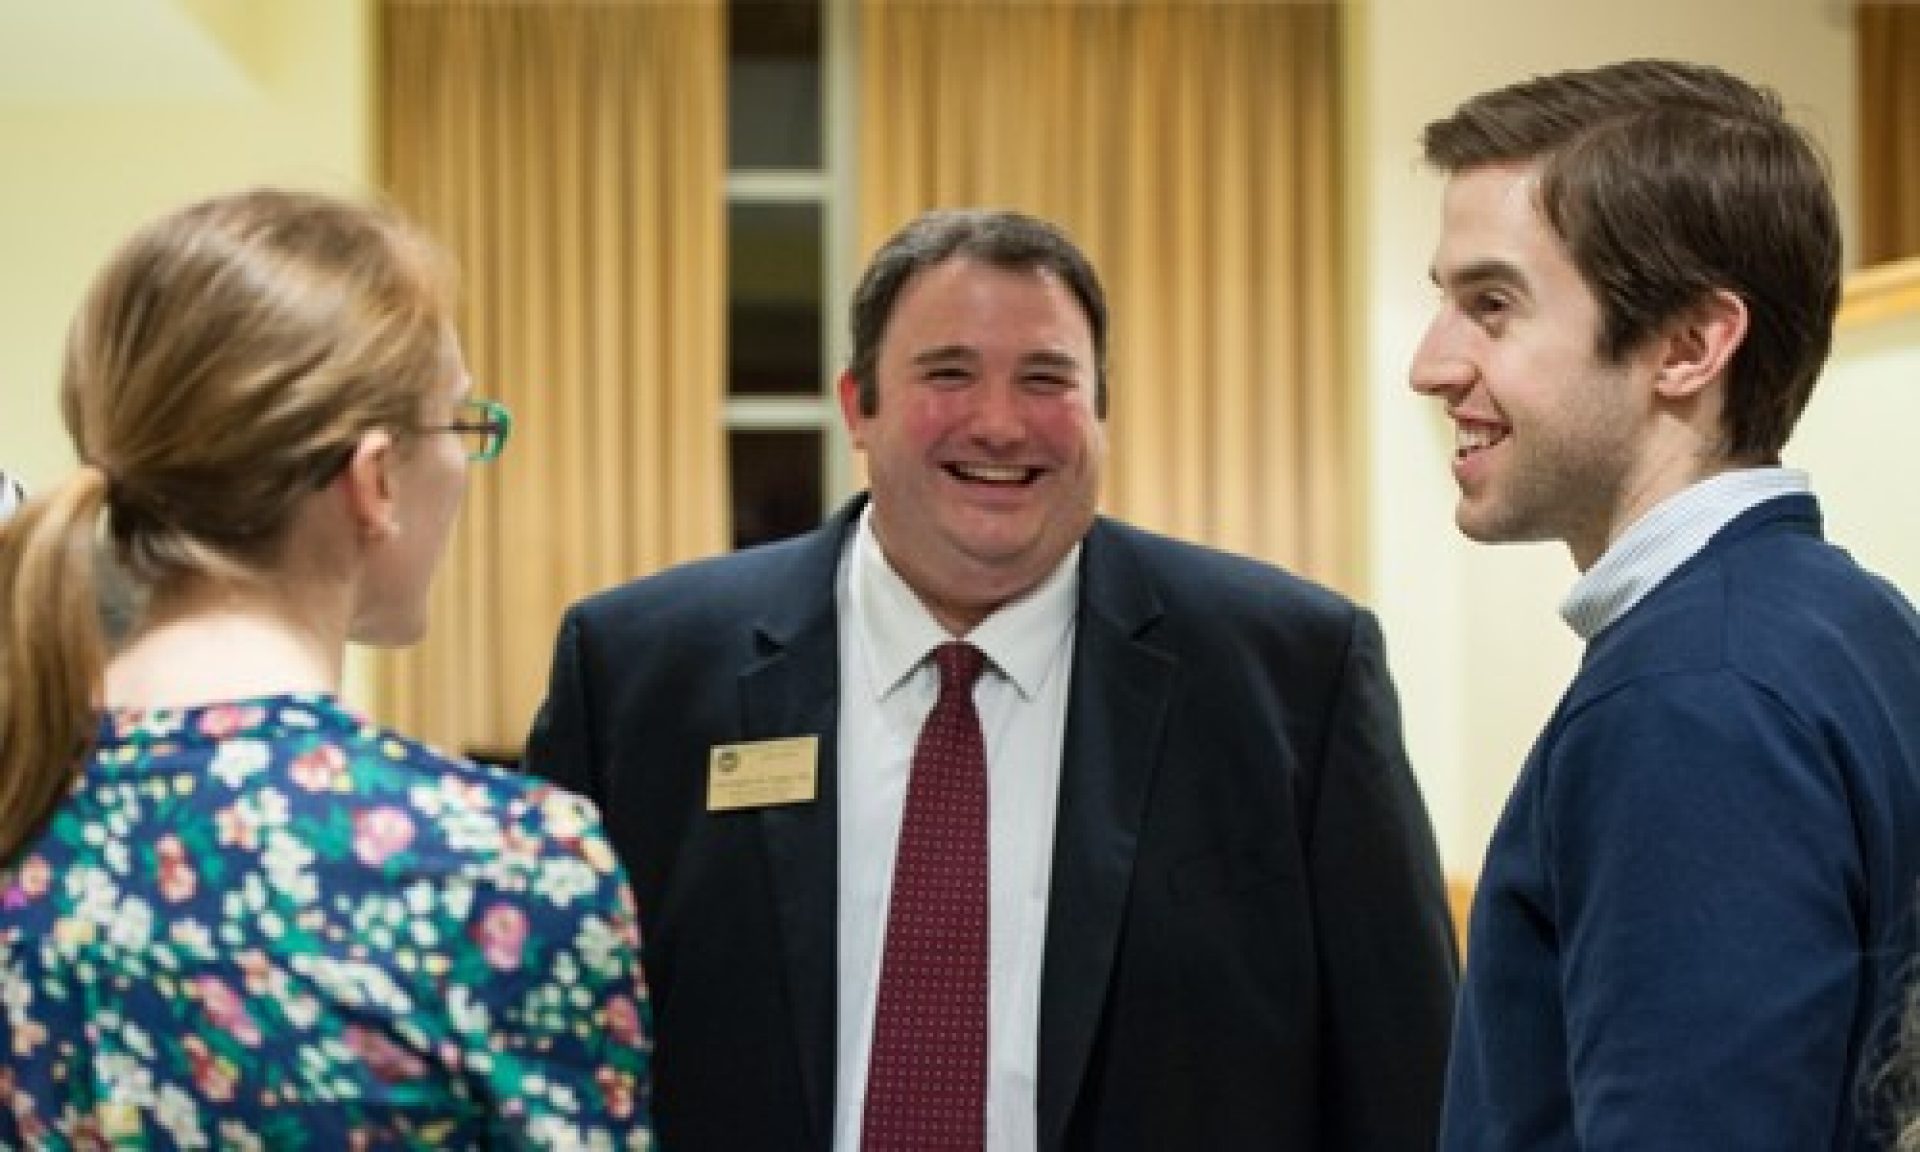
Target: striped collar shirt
{"type": "Point", "coordinates": [1668, 536]}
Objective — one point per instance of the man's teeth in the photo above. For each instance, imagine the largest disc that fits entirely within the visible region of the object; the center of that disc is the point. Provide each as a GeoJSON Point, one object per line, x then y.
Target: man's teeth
{"type": "Point", "coordinates": [1466, 439]}
{"type": "Point", "coordinates": [992, 473]}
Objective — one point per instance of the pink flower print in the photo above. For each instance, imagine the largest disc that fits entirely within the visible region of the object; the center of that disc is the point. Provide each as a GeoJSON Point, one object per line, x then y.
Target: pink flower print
{"type": "Point", "coordinates": [502, 936]}
{"type": "Point", "coordinates": [178, 881]}
{"type": "Point", "coordinates": [378, 833]}
{"type": "Point", "coordinates": [623, 1021]}
{"type": "Point", "coordinates": [255, 970]}
{"type": "Point", "coordinates": [388, 1062]}
{"type": "Point", "coordinates": [30, 882]}
{"type": "Point", "coordinates": [236, 827]}
{"type": "Point", "coordinates": [628, 923]}
{"type": "Point", "coordinates": [320, 769]}
{"type": "Point", "coordinates": [35, 875]}
{"type": "Point", "coordinates": [616, 1089]}
{"type": "Point", "coordinates": [224, 720]}
{"type": "Point", "coordinates": [215, 1076]}
{"type": "Point", "coordinates": [227, 1011]}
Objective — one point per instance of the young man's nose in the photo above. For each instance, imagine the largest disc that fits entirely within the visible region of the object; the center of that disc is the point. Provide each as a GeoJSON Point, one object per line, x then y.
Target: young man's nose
{"type": "Point", "coordinates": [1438, 368]}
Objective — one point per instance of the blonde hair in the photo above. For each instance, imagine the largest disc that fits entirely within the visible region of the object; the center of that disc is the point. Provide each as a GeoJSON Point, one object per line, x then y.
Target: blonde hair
{"type": "Point", "coordinates": [221, 368]}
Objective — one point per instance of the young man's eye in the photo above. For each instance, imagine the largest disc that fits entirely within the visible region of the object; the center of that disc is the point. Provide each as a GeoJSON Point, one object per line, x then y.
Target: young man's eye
{"type": "Point", "coordinates": [1488, 309]}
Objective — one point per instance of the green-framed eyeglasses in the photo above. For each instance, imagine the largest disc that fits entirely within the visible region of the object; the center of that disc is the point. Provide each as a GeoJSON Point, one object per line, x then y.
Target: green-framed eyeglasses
{"type": "Point", "coordinates": [483, 425]}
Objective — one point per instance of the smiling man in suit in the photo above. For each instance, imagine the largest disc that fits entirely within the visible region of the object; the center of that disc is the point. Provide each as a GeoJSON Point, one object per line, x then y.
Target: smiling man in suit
{"type": "Point", "coordinates": [1159, 877]}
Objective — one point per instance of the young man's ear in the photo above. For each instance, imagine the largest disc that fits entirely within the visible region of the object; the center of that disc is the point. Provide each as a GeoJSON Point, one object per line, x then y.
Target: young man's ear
{"type": "Point", "coordinates": [368, 486]}
{"type": "Point", "coordinates": [1700, 344]}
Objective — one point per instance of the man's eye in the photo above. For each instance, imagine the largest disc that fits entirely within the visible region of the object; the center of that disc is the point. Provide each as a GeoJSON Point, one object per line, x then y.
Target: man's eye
{"type": "Point", "coordinates": [1488, 309]}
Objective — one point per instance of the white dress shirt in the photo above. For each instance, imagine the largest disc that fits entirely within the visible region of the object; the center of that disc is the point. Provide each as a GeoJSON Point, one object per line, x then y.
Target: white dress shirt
{"type": "Point", "coordinates": [887, 687]}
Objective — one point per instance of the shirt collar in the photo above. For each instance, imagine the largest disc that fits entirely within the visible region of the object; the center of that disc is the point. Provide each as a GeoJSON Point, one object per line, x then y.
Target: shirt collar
{"type": "Point", "coordinates": [1019, 638]}
{"type": "Point", "coordinates": [1666, 537]}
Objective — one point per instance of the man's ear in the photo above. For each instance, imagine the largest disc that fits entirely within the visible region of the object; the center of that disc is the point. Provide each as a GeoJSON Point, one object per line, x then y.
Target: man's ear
{"type": "Point", "coordinates": [1700, 343]}
{"type": "Point", "coordinates": [368, 486]}
{"type": "Point", "coordinates": [850, 407]}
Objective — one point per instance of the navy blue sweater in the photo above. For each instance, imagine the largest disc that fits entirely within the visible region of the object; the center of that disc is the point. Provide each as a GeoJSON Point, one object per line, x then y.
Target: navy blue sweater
{"type": "Point", "coordinates": [1698, 907]}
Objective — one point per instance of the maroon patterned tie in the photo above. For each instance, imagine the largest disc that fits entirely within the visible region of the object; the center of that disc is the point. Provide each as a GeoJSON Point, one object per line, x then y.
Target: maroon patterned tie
{"type": "Point", "coordinates": [927, 1079]}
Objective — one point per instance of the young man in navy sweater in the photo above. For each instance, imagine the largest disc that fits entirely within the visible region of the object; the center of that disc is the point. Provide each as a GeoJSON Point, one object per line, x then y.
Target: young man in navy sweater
{"type": "Point", "coordinates": [1696, 909]}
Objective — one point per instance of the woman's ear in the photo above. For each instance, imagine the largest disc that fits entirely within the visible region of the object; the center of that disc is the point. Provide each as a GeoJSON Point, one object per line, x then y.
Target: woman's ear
{"type": "Point", "coordinates": [368, 486]}
{"type": "Point", "coordinates": [1700, 344]}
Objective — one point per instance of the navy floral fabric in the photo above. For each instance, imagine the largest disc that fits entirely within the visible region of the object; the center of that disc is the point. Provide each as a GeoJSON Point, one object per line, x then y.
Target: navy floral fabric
{"type": "Point", "coordinates": [272, 924]}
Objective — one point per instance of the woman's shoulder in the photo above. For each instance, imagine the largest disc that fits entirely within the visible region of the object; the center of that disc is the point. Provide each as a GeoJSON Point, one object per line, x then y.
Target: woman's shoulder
{"type": "Point", "coordinates": [507, 824]}
{"type": "Point", "coordinates": [360, 791]}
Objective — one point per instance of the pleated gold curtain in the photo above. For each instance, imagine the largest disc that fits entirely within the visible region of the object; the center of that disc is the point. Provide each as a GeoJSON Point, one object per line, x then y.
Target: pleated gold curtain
{"type": "Point", "coordinates": [1889, 77]}
{"type": "Point", "coordinates": [572, 157]}
{"type": "Point", "coordinates": [1191, 147]}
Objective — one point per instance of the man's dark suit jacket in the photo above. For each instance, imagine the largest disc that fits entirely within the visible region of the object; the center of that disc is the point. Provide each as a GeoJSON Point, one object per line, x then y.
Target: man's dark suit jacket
{"type": "Point", "coordinates": [1248, 942]}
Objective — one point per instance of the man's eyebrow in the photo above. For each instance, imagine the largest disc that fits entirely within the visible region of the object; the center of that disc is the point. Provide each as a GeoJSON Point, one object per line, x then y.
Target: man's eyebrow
{"type": "Point", "coordinates": [1047, 358]}
{"type": "Point", "coordinates": [1490, 271]}
{"type": "Point", "coordinates": [945, 353]}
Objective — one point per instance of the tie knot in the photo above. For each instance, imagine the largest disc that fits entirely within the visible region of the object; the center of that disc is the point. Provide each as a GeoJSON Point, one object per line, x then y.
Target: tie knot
{"type": "Point", "coordinates": [959, 663]}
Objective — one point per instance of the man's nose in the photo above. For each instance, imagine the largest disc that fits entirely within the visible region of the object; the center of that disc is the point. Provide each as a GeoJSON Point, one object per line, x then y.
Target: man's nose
{"type": "Point", "coordinates": [1440, 367]}
{"type": "Point", "coordinates": [998, 414]}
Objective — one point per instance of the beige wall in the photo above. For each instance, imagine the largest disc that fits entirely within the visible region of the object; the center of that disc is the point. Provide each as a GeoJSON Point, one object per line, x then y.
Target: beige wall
{"type": "Point", "coordinates": [113, 111]}
{"type": "Point", "coordinates": [1478, 648]}
{"type": "Point", "coordinates": [1857, 441]}
{"type": "Point", "coordinates": [116, 133]}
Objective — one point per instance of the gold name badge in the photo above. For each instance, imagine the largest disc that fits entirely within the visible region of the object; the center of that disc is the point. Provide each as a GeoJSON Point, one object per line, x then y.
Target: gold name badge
{"type": "Point", "coordinates": [762, 773]}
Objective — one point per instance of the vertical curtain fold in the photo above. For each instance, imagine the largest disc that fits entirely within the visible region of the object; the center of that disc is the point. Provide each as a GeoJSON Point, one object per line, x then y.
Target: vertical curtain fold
{"type": "Point", "coordinates": [570, 155]}
{"type": "Point", "coordinates": [1190, 146]}
{"type": "Point", "coordinates": [1889, 79]}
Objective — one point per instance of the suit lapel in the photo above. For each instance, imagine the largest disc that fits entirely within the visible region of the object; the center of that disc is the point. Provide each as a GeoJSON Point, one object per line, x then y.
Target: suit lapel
{"type": "Point", "coordinates": [1116, 712]}
{"type": "Point", "coordinates": [794, 690]}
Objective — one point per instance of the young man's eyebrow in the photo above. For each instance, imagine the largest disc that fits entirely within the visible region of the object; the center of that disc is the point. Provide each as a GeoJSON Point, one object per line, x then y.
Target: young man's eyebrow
{"type": "Point", "coordinates": [1479, 272]}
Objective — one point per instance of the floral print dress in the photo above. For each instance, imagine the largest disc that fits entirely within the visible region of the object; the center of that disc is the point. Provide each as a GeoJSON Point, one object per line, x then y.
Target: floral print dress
{"type": "Point", "coordinates": [272, 924]}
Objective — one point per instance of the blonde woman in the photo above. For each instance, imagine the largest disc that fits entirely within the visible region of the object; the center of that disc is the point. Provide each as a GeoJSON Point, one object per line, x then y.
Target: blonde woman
{"type": "Point", "coordinates": [233, 912]}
